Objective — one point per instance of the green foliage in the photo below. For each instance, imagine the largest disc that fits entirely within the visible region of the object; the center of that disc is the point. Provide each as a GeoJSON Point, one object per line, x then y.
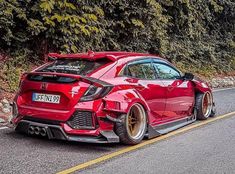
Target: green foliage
{"type": "Point", "coordinates": [196, 35]}
{"type": "Point", "coordinates": [48, 25]}
{"type": "Point", "coordinates": [14, 67]}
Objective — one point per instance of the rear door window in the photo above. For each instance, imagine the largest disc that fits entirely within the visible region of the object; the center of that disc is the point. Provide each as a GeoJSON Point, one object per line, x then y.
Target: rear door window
{"type": "Point", "coordinates": [141, 70]}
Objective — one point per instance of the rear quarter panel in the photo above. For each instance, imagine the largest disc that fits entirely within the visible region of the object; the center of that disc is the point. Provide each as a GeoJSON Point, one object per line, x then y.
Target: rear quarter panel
{"type": "Point", "coordinates": [122, 98]}
{"type": "Point", "coordinates": [201, 86]}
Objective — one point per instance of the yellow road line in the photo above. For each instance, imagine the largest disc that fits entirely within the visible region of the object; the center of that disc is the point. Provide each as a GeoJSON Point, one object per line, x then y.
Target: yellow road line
{"type": "Point", "coordinates": [131, 148]}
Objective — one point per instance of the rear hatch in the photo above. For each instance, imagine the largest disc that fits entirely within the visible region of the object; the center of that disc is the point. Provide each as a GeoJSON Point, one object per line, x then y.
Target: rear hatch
{"type": "Point", "coordinates": [59, 85]}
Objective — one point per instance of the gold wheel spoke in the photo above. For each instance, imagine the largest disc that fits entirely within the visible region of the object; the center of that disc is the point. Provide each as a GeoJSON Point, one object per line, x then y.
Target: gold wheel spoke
{"type": "Point", "coordinates": [131, 114]}
{"type": "Point", "coordinates": [134, 121]}
{"type": "Point", "coordinates": [131, 128]}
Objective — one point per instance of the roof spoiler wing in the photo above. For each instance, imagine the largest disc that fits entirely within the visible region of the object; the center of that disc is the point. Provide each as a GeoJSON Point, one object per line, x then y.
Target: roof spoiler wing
{"type": "Point", "coordinates": [89, 56]}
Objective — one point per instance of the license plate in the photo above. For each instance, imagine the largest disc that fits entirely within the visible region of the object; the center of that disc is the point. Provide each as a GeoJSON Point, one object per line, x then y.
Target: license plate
{"type": "Point", "coordinates": [47, 98]}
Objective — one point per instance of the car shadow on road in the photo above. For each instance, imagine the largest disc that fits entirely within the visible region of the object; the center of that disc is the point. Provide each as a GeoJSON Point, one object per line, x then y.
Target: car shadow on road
{"type": "Point", "coordinates": [43, 142]}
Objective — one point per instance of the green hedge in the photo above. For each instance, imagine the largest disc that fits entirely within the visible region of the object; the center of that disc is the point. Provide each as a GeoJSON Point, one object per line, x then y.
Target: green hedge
{"type": "Point", "coordinates": [189, 33]}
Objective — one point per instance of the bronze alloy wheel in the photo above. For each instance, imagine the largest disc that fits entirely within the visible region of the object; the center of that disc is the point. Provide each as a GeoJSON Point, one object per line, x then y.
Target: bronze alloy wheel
{"type": "Point", "coordinates": [136, 121]}
{"type": "Point", "coordinates": [207, 104]}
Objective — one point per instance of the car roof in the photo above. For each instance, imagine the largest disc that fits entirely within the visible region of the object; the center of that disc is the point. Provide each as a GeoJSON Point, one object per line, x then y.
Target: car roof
{"type": "Point", "coordinates": [111, 55]}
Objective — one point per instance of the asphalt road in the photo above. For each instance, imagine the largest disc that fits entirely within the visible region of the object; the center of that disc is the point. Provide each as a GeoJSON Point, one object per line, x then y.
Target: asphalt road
{"type": "Point", "coordinates": [207, 149]}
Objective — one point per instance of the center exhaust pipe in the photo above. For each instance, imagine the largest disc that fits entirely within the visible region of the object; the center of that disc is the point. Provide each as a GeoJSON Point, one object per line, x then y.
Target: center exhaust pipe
{"type": "Point", "coordinates": [37, 130]}
{"type": "Point", "coordinates": [43, 132]}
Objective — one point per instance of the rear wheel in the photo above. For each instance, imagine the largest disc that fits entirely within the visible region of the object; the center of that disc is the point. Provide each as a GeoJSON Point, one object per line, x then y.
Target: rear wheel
{"type": "Point", "coordinates": [132, 128]}
{"type": "Point", "coordinates": [204, 106]}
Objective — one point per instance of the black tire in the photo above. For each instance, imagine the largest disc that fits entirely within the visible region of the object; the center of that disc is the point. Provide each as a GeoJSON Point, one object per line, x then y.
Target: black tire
{"type": "Point", "coordinates": [213, 111]}
{"type": "Point", "coordinates": [122, 129]}
{"type": "Point", "coordinates": [210, 111]}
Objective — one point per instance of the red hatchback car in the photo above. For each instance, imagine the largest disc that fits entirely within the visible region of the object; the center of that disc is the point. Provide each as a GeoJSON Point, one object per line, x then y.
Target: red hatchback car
{"type": "Point", "coordinates": [107, 97]}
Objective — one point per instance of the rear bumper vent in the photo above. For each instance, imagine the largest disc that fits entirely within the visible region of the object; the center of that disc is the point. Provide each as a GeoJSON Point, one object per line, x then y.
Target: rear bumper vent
{"type": "Point", "coordinates": [82, 120]}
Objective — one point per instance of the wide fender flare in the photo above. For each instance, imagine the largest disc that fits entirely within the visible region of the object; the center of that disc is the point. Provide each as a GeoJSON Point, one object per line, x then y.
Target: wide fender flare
{"type": "Point", "coordinates": [121, 101]}
{"type": "Point", "coordinates": [201, 86]}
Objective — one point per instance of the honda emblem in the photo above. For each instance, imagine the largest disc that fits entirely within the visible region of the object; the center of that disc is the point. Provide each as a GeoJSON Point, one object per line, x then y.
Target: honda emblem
{"type": "Point", "coordinates": [44, 86]}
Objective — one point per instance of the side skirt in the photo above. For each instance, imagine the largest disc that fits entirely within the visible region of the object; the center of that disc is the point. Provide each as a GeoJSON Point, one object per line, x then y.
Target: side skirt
{"type": "Point", "coordinates": [168, 127]}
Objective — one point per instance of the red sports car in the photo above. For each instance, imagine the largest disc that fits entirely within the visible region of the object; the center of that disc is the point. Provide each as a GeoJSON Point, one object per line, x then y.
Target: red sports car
{"type": "Point", "coordinates": [107, 97]}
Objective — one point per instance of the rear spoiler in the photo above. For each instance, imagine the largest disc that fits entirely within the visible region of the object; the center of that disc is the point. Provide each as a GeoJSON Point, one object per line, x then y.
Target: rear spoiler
{"type": "Point", "coordinates": [90, 80]}
{"type": "Point", "coordinates": [88, 56]}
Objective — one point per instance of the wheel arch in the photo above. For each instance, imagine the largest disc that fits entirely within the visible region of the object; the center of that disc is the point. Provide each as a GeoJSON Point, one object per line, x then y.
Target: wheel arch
{"type": "Point", "coordinates": [200, 86]}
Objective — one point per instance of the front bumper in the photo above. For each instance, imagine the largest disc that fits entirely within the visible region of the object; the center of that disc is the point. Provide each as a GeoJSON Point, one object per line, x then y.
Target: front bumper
{"type": "Point", "coordinates": [57, 132]}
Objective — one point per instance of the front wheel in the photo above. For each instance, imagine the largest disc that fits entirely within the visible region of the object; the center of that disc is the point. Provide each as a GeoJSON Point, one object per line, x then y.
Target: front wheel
{"type": "Point", "coordinates": [133, 125]}
{"type": "Point", "coordinates": [204, 105]}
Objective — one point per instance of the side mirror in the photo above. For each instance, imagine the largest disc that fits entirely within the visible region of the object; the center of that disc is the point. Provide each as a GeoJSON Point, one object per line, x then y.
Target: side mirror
{"type": "Point", "coordinates": [188, 76]}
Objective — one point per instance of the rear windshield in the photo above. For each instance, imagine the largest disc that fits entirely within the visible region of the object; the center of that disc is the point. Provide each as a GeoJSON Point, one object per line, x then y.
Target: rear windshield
{"type": "Point", "coordinates": [74, 66]}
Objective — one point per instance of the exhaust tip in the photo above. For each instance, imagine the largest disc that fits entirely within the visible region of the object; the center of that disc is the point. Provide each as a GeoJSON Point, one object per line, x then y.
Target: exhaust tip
{"type": "Point", "coordinates": [31, 130]}
{"type": "Point", "coordinates": [43, 132]}
{"type": "Point", "coordinates": [37, 130]}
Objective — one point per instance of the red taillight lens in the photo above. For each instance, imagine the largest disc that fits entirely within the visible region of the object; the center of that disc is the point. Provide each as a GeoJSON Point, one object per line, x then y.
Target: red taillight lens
{"type": "Point", "coordinates": [94, 92]}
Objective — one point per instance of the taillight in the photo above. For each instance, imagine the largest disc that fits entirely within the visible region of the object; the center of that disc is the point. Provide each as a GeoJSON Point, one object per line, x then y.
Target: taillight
{"type": "Point", "coordinates": [94, 92]}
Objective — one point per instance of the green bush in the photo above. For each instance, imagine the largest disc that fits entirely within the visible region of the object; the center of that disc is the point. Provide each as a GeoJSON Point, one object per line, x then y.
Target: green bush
{"type": "Point", "coordinates": [198, 34]}
{"type": "Point", "coordinates": [14, 67]}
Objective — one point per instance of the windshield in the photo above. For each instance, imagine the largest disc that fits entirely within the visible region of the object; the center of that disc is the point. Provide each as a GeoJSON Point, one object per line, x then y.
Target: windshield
{"type": "Point", "coordinates": [74, 66]}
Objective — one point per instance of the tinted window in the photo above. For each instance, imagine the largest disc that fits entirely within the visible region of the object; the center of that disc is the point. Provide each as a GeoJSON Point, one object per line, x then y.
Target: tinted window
{"type": "Point", "coordinates": [74, 66]}
{"type": "Point", "coordinates": [166, 72]}
{"type": "Point", "coordinates": [53, 79]}
{"type": "Point", "coordinates": [141, 70]}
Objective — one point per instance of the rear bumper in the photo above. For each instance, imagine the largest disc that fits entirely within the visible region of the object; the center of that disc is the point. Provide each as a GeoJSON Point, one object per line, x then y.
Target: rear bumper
{"type": "Point", "coordinates": [57, 132]}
